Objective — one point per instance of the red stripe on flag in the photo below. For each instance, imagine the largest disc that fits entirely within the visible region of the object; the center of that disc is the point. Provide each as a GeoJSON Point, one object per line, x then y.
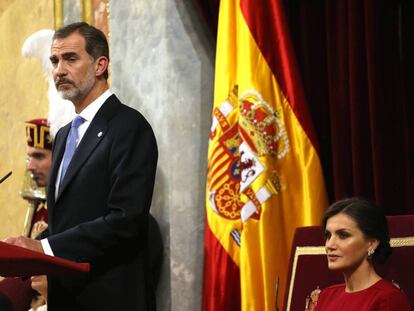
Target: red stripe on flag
{"type": "Point", "coordinates": [267, 24]}
{"type": "Point", "coordinates": [218, 181]}
{"type": "Point", "coordinates": [219, 167]}
{"type": "Point", "coordinates": [221, 287]}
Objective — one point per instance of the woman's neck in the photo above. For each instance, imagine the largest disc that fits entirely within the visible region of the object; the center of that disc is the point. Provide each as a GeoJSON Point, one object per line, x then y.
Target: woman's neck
{"type": "Point", "coordinates": [361, 278]}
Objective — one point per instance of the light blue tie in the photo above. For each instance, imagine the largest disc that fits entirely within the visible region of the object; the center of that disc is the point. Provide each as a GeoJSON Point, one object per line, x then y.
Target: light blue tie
{"type": "Point", "coordinates": [70, 145]}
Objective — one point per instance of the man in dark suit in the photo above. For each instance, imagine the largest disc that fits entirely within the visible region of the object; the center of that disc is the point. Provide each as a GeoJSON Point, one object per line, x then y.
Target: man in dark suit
{"type": "Point", "coordinates": [100, 186]}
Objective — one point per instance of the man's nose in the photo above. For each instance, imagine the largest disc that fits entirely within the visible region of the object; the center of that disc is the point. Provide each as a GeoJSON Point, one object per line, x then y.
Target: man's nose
{"type": "Point", "coordinates": [30, 165]}
{"type": "Point", "coordinates": [60, 69]}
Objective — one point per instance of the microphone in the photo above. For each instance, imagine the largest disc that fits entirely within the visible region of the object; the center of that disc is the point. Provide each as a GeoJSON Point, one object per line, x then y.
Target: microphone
{"type": "Point", "coordinates": [5, 177]}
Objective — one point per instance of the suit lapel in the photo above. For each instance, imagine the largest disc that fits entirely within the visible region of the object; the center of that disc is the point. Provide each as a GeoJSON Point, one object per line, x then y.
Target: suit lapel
{"type": "Point", "coordinates": [91, 139]}
{"type": "Point", "coordinates": [57, 155]}
{"type": "Point", "coordinates": [96, 131]}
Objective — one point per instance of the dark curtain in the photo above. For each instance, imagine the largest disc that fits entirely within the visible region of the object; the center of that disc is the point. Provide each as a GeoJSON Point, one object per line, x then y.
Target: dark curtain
{"type": "Point", "coordinates": [357, 68]}
{"type": "Point", "coordinates": [209, 10]}
{"type": "Point", "coordinates": [357, 65]}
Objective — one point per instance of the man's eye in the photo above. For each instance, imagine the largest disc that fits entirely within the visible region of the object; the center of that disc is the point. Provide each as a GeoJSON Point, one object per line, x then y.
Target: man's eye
{"type": "Point", "coordinates": [38, 156]}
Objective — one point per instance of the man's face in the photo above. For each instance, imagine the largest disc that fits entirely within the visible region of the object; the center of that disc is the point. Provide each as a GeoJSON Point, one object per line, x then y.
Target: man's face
{"type": "Point", "coordinates": [38, 163]}
{"type": "Point", "coordinates": [73, 68]}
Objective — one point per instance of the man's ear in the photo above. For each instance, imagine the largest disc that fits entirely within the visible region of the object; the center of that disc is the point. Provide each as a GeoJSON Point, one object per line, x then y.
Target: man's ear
{"type": "Point", "coordinates": [101, 64]}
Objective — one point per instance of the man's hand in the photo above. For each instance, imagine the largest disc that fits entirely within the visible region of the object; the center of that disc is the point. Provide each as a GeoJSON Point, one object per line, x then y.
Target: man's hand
{"type": "Point", "coordinates": [39, 284]}
{"type": "Point", "coordinates": [25, 242]}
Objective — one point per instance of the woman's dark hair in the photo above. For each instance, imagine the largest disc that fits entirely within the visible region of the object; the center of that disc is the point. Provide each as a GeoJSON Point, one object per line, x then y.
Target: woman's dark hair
{"type": "Point", "coordinates": [369, 218]}
{"type": "Point", "coordinates": [95, 40]}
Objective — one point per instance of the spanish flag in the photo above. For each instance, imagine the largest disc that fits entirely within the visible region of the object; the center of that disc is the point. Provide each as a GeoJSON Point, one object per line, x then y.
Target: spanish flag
{"type": "Point", "coordinates": [264, 174]}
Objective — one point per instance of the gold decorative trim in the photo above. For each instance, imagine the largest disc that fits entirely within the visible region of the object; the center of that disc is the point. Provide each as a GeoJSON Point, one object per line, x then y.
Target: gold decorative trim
{"type": "Point", "coordinates": [87, 11]}
{"type": "Point", "coordinates": [302, 250]}
{"type": "Point", "coordinates": [58, 13]}
{"type": "Point", "coordinates": [320, 250]}
{"type": "Point", "coordinates": [401, 242]}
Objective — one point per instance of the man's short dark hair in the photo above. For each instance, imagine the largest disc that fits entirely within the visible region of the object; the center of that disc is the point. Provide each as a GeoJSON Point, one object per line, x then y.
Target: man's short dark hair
{"type": "Point", "coordinates": [96, 43]}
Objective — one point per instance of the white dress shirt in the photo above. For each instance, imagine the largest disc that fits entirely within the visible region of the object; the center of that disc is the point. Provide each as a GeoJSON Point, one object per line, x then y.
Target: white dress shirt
{"type": "Point", "coordinates": [87, 114]}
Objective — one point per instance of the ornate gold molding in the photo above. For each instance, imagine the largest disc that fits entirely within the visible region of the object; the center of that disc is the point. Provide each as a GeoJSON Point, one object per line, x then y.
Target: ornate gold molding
{"type": "Point", "coordinates": [58, 13]}
{"type": "Point", "coordinates": [87, 11]}
{"type": "Point", "coordinates": [401, 242]}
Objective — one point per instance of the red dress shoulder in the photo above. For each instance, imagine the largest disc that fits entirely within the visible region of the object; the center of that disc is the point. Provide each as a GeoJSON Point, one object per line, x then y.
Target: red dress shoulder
{"type": "Point", "coordinates": [382, 296]}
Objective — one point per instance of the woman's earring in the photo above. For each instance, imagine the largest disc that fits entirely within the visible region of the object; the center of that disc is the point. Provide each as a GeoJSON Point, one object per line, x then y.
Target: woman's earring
{"type": "Point", "coordinates": [371, 252]}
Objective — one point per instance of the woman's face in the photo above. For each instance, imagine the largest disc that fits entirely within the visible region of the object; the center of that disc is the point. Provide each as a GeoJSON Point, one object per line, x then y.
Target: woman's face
{"type": "Point", "coordinates": [346, 246]}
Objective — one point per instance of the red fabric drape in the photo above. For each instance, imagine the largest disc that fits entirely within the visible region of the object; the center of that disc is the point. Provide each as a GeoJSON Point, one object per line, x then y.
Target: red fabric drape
{"type": "Point", "coordinates": [357, 64]}
{"type": "Point", "coordinates": [219, 268]}
{"type": "Point", "coordinates": [355, 58]}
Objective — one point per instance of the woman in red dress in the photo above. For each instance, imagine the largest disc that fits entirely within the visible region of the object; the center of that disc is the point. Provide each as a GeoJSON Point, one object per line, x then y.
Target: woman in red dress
{"type": "Point", "coordinates": [357, 236]}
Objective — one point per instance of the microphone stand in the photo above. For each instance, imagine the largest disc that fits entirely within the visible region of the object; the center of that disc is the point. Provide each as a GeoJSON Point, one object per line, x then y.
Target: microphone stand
{"type": "Point", "coordinates": [5, 177]}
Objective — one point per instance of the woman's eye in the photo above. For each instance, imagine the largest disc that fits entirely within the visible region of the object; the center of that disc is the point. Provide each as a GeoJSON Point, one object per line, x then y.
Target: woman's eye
{"type": "Point", "coordinates": [343, 235]}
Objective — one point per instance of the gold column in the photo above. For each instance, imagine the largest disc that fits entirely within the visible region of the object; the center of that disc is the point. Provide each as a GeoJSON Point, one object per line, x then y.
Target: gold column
{"type": "Point", "coordinates": [87, 11]}
{"type": "Point", "coordinates": [58, 13]}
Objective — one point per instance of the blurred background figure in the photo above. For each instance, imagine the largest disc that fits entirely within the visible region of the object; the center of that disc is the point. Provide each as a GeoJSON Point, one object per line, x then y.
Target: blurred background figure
{"type": "Point", "coordinates": [39, 161]}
